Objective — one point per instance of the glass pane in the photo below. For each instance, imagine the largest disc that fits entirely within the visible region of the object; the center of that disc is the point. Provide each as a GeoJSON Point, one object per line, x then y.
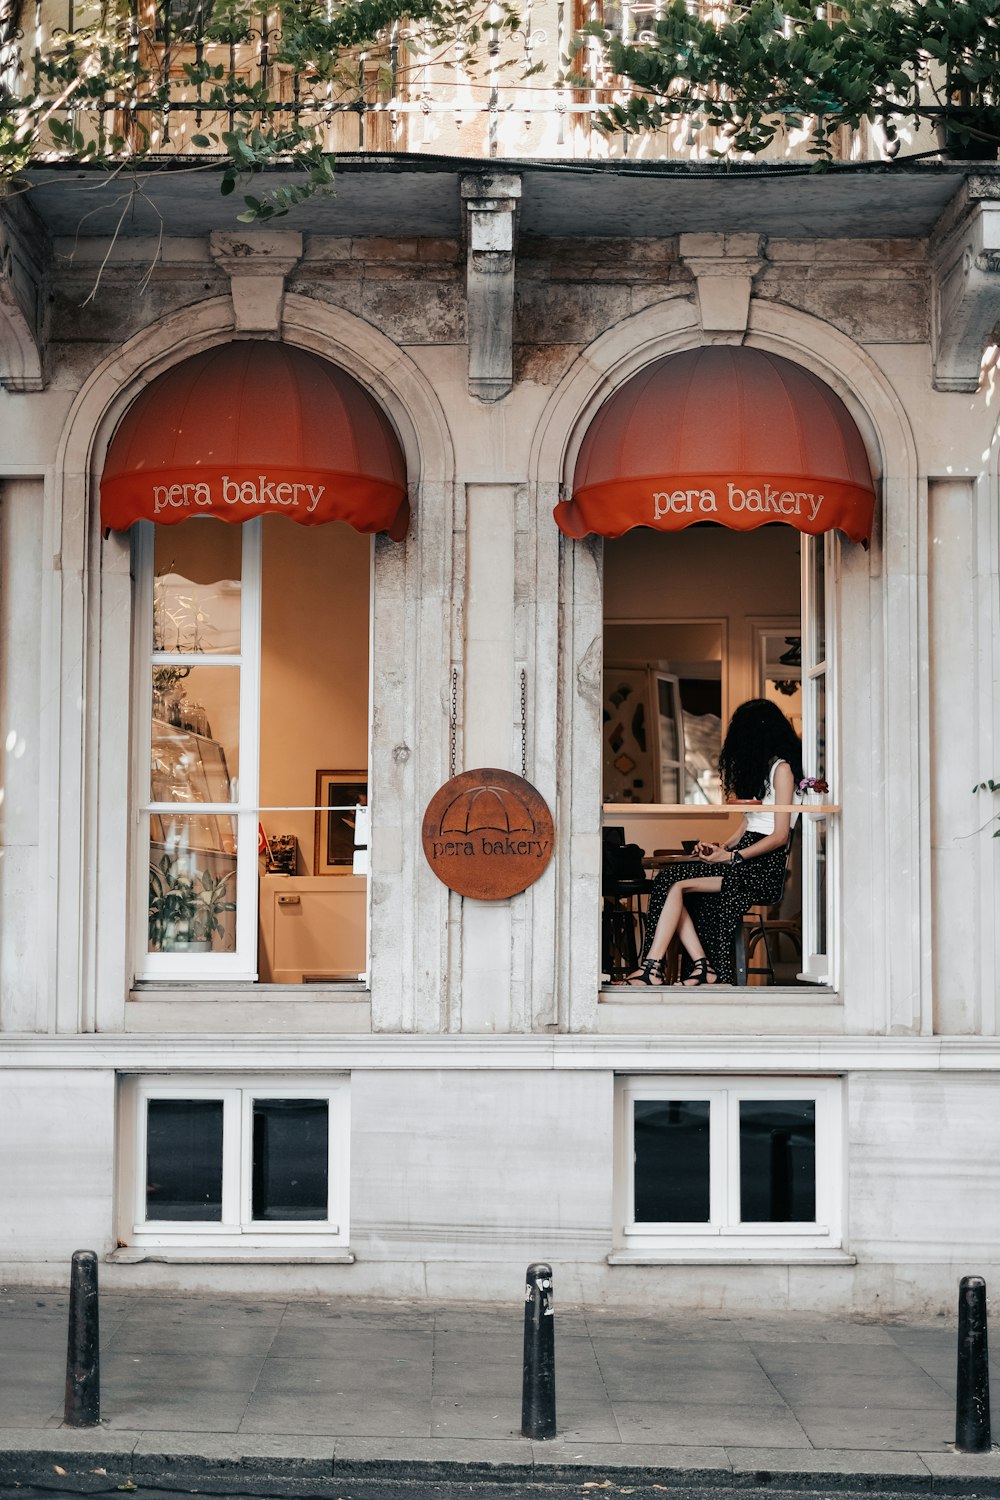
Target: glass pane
{"type": "Point", "coordinates": [817, 579]}
{"type": "Point", "coordinates": [195, 734]}
{"type": "Point", "coordinates": [819, 691]}
{"type": "Point", "coordinates": [192, 884]}
{"type": "Point", "coordinates": [819, 918]}
{"type": "Point", "coordinates": [671, 1161]}
{"type": "Point", "coordinates": [777, 1161]}
{"type": "Point", "coordinates": [290, 1159]}
{"type": "Point", "coordinates": [196, 594]}
{"type": "Point", "coordinates": [781, 673]}
{"type": "Point", "coordinates": [184, 1159]}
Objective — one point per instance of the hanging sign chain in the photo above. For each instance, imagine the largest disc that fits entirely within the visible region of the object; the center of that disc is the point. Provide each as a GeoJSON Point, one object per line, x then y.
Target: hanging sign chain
{"type": "Point", "coordinates": [524, 723]}
{"type": "Point", "coordinates": [454, 719]}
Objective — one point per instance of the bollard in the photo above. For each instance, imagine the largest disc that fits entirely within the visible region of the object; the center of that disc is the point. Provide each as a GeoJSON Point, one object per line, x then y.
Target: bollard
{"type": "Point", "coordinates": [972, 1397]}
{"type": "Point", "coordinates": [538, 1391]}
{"type": "Point", "coordinates": [83, 1355]}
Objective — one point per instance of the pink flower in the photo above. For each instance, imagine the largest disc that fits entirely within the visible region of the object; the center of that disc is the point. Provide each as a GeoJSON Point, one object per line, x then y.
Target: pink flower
{"type": "Point", "coordinates": [813, 784]}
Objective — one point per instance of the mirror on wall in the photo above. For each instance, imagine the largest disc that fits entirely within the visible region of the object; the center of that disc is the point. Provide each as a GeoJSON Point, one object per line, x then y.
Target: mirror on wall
{"type": "Point", "coordinates": [662, 712]}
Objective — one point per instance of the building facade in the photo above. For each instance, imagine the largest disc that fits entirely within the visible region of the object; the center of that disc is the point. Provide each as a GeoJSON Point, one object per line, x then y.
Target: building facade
{"type": "Point", "coordinates": [248, 1037]}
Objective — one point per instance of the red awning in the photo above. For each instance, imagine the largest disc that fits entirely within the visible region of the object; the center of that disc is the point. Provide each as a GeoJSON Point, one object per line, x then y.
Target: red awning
{"type": "Point", "coordinates": [725, 434]}
{"type": "Point", "coordinates": [250, 429]}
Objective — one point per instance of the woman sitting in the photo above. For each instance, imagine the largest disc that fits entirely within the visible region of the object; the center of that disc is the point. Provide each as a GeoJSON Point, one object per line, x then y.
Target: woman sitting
{"type": "Point", "coordinates": [761, 761]}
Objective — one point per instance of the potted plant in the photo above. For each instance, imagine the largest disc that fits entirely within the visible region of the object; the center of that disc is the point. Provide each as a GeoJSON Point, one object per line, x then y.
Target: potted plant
{"type": "Point", "coordinates": [185, 906]}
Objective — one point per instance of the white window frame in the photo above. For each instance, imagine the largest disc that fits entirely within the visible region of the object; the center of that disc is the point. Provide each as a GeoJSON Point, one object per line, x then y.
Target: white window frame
{"type": "Point", "coordinates": [724, 1235]}
{"type": "Point", "coordinates": [820, 961]}
{"type": "Point", "coordinates": [236, 1230]}
{"type": "Point", "coordinates": [241, 964]}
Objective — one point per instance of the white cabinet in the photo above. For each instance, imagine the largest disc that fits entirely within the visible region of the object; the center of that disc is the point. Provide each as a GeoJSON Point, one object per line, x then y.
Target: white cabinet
{"type": "Point", "coordinates": [312, 928]}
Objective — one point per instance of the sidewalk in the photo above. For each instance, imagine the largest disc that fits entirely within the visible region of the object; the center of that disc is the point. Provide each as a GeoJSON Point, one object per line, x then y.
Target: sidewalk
{"type": "Point", "coordinates": [195, 1387]}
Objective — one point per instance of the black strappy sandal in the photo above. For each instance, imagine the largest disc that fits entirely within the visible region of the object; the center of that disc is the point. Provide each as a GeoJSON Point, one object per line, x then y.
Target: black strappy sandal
{"type": "Point", "coordinates": [701, 968]}
{"type": "Point", "coordinates": [650, 973]}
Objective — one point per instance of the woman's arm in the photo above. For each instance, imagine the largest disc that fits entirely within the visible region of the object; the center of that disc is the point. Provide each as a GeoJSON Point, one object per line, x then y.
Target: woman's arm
{"type": "Point", "coordinates": [784, 791]}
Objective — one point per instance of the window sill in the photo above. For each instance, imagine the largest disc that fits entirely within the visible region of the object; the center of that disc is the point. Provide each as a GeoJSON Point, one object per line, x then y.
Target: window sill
{"type": "Point", "coordinates": [146, 990]}
{"type": "Point", "coordinates": [728, 1257]}
{"type": "Point", "coordinates": [217, 1255]}
{"type": "Point", "coordinates": [718, 994]}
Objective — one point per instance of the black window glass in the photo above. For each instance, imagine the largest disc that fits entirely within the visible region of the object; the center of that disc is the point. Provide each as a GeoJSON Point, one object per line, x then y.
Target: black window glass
{"type": "Point", "coordinates": [671, 1161]}
{"type": "Point", "coordinates": [184, 1159]}
{"type": "Point", "coordinates": [290, 1159]}
{"type": "Point", "coordinates": [777, 1161]}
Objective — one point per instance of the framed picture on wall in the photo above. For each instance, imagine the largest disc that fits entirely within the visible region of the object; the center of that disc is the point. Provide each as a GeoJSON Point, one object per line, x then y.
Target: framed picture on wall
{"type": "Point", "coordinates": [338, 793]}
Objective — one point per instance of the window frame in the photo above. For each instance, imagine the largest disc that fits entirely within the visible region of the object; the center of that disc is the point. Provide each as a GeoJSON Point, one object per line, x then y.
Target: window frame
{"type": "Point", "coordinates": [241, 965]}
{"type": "Point", "coordinates": [236, 1230]}
{"type": "Point", "coordinates": [724, 1235]}
{"type": "Point", "coordinates": [820, 960]}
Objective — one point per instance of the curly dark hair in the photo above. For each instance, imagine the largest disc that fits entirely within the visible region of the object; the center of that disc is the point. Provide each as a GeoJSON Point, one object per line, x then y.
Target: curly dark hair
{"type": "Point", "coordinates": [758, 734]}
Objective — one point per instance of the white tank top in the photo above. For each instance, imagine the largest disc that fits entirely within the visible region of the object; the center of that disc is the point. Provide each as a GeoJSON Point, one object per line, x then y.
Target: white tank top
{"type": "Point", "coordinates": [763, 822]}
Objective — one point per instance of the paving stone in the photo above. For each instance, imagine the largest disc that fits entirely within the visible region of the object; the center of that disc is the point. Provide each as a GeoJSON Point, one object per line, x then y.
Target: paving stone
{"type": "Point", "coordinates": [477, 1416]}
{"type": "Point", "coordinates": [888, 1428]}
{"type": "Point", "coordinates": [831, 1359]}
{"type": "Point", "coordinates": [604, 1325]}
{"type": "Point", "coordinates": [783, 1330]}
{"type": "Point", "coordinates": [350, 1314]}
{"type": "Point", "coordinates": [92, 1441]}
{"type": "Point", "coordinates": [673, 1354]}
{"type": "Point", "coordinates": [573, 1459]}
{"type": "Point", "coordinates": [748, 1462]}
{"type": "Point", "coordinates": [952, 1465]}
{"type": "Point", "coordinates": [684, 1424]}
{"type": "Point", "coordinates": [713, 1387]}
{"type": "Point", "coordinates": [168, 1392]}
{"type": "Point", "coordinates": [220, 1340]}
{"type": "Point", "coordinates": [332, 1340]}
{"type": "Point", "coordinates": [290, 1408]}
{"type": "Point", "coordinates": [203, 1453]}
{"type": "Point", "coordinates": [31, 1397]}
{"type": "Point", "coordinates": [914, 1390]}
{"type": "Point", "coordinates": [433, 1456]}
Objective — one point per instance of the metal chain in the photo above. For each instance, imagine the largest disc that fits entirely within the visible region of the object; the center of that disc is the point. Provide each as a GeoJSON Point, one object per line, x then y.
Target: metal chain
{"type": "Point", "coordinates": [454, 719]}
{"type": "Point", "coordinates": [524, 723]}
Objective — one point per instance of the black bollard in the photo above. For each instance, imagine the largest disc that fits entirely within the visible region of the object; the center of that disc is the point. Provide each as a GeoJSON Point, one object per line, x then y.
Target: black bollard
{"type": "Point", "coordinates": [538, 1391]}
{"type": "Point", "coordinates": [83, 1353]}
{"type": "Point", "coordinates": [972, 1397]}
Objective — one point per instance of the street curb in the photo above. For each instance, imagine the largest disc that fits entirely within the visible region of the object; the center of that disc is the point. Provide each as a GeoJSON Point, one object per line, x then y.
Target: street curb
{"type": "Point", "coordinates": [97, 1472]}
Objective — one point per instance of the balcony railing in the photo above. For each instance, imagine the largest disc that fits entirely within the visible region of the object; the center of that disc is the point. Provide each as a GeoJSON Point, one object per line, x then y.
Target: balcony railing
{"type": "Point", "coordinates": [399, 96]}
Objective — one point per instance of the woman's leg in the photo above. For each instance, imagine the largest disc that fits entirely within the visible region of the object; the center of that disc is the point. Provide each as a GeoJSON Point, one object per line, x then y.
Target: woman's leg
{"type": "Point", "coordinates": [674, 916]}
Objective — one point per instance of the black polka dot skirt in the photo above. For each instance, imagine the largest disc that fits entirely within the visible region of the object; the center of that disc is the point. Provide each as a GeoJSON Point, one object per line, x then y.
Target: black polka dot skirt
{"type": "Point", "coordinates": [751, 882]}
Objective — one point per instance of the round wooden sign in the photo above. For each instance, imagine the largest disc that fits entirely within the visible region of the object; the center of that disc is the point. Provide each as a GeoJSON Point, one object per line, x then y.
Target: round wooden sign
{"type": "Point", "coordinates": [488, 834]}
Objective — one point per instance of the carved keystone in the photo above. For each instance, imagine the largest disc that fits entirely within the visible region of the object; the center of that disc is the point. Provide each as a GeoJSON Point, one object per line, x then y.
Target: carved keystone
{"type": "Point", "coordinates": [724, 266]}
{"type": "Point", "coordinates": [491, 209]}
{"type": "Point", "coordinates": [257, 265]}
{"type": "Point", "coordinates": [24, 253]}
{"type": "Point", "coordinates": [965, 259]}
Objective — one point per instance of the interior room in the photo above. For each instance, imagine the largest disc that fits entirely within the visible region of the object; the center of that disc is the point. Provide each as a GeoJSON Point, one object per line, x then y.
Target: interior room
{"type": "Point", "coordinates": [286, 664]}
{"type": "Point", "coordinates": [695, 623]}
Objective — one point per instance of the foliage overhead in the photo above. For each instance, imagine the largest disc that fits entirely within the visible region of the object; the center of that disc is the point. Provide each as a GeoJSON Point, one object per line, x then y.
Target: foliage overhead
{"type": "Point", "coordinates": [105, 91]}
{"type": "Point", "coordinates": [775, 65]}
{"type": "Point", "coordinates": [109, 90]}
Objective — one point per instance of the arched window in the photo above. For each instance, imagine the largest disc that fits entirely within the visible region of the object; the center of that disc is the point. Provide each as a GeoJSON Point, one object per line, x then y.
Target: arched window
{"type": "Point", "coordinates": [723, 479]}
{"type": "Point", "coordinates": [251, 660]}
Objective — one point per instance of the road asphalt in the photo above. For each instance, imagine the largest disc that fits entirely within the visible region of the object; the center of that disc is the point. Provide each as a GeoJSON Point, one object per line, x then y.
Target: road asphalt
{"type": "Point", "coordinates": [355, 1400]}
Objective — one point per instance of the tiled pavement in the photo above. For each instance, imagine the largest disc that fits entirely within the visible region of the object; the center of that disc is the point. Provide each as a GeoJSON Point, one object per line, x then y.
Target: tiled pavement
{"type": "Point", "coordinates": [190, 1382]}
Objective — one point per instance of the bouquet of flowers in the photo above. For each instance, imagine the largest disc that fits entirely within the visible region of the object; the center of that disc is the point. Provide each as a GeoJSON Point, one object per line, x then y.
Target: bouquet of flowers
{"type": "Point", "coordinates": [813, 784]}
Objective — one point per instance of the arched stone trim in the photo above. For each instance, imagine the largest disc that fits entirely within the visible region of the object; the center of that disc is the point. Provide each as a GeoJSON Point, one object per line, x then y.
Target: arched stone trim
{"type": "Point", "coordinates": [885, 982]}
{"type": "Point", "coordinates": [88, 755]}
{"type": "Point", "coordinates": [656, 333]}
{"type": "Point", "coordinates": [332, 333]}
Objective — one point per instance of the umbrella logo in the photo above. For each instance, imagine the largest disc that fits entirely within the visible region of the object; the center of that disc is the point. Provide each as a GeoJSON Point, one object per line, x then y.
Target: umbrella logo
{"type": "Point", "coordinates": [488, 807]}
